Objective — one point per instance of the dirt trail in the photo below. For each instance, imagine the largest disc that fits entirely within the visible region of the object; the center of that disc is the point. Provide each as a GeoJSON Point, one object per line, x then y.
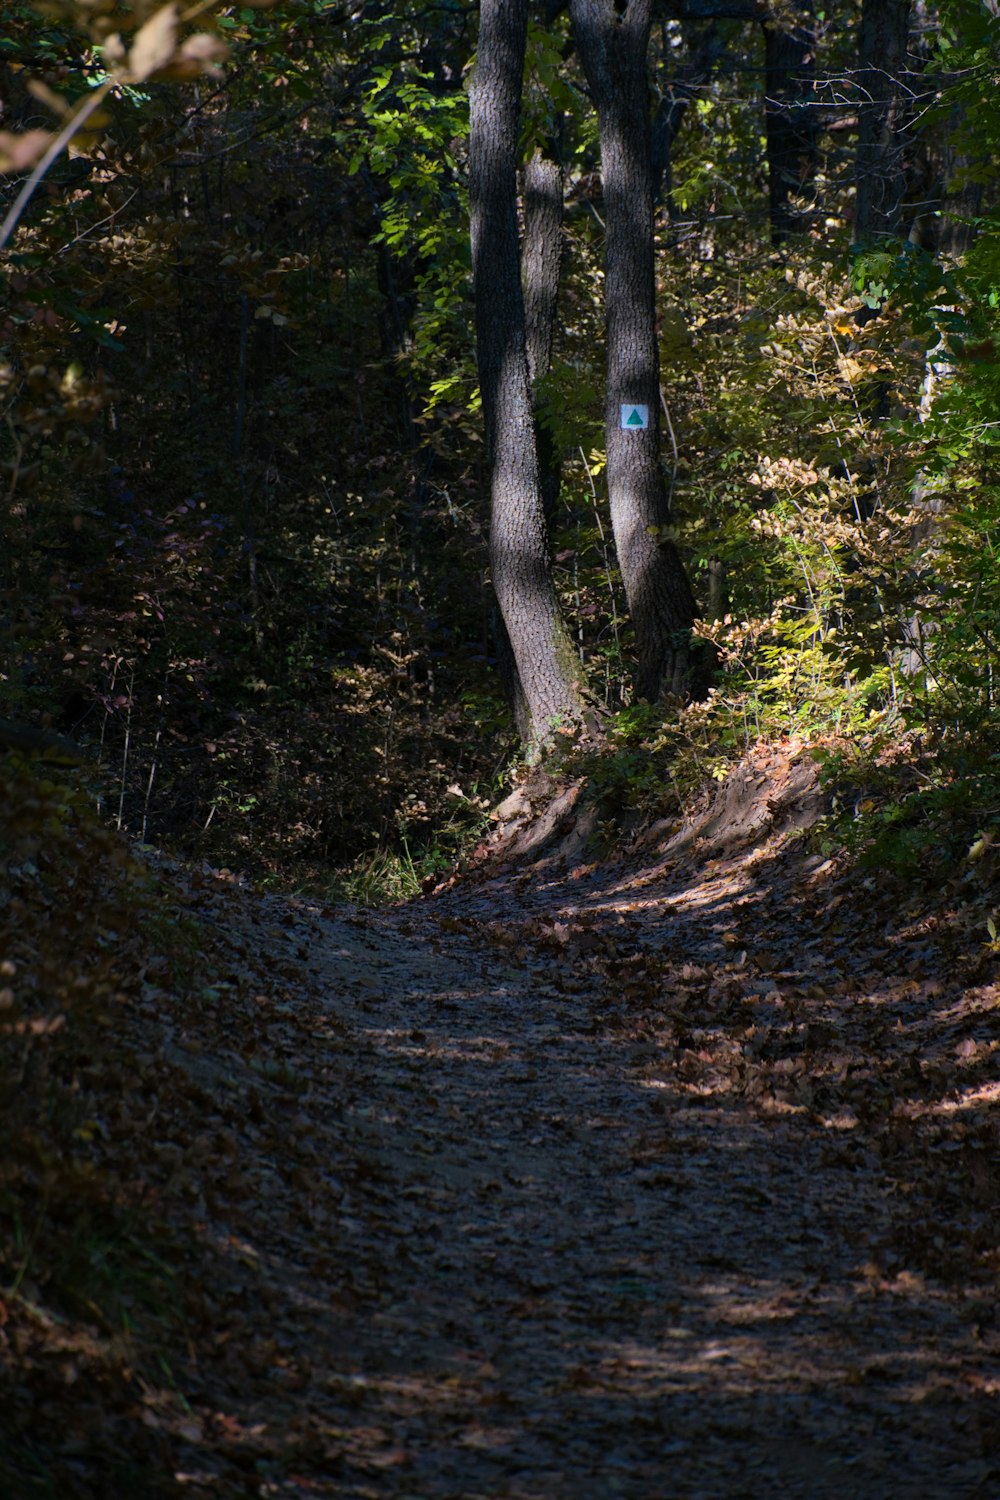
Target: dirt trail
{"type": "Point", "coordinates": [589, 1203]}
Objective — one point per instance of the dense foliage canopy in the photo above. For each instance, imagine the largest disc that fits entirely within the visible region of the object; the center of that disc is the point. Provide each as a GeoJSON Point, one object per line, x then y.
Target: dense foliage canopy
{"type": "Point", "coordinates": [245, 515]}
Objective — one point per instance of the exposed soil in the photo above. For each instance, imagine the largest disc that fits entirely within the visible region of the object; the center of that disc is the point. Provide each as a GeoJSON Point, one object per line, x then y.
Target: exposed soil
{"type": "Point", "coordinates": [669, 1176]}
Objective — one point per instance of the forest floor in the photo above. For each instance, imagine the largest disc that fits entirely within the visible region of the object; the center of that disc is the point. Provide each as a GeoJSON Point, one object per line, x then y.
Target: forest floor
{"type": "Point", "coordinates": [670, 1175]}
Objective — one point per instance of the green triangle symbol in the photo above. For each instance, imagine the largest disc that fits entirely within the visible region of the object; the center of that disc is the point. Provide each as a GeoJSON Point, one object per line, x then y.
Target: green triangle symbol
{"type": "Point", "coordinates": [634, 420]}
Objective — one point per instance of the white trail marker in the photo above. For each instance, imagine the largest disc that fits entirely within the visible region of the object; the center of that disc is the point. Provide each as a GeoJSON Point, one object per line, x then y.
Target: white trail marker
{"type": "Point", "coordinates": [634, 418]}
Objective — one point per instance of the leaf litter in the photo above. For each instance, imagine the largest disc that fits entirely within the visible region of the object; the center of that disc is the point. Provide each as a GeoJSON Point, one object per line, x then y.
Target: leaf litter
{"type": "Point", "coordinates": [670, 1175]}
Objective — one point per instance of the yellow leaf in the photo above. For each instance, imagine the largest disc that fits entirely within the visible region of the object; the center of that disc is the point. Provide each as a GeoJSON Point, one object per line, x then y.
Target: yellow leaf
{"type": "Point", "coordinates": [850, 369]}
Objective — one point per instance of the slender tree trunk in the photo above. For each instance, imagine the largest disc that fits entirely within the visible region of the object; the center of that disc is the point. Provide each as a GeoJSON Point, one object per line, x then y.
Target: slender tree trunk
{"type": "Point", "coordinates": [882, 112]}
{"type": "Point", "coordinates": [790, 120]}
{"type": "Point", "coordinates": [962, 170]}
{"type": "Point", "coordinates": [547, 667]}
{"type": "Point", "coordinates": [677, 89]}
{"type": "Point", "coordinates": [542, 259]}
{"type": "Point", "coordinates": [542, 265]}
{"type": "Point", "coordinates": [612, 39]}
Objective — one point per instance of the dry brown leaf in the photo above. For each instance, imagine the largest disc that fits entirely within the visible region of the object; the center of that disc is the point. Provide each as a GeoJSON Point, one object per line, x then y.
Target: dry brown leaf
{"type": "Point", "coordinates": [19, 152]}
{"type": "Point", "coordinates": [154, 45]}
{"type": "Point", "coordinates": [205, 50]}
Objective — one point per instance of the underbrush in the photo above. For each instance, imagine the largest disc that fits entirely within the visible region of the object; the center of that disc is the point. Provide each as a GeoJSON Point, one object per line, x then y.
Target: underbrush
{"type": "Point", "coordinates": [90, 1290]}
{"type": "Point", "coordinates": [926, 807]}
{"type": "Point", "coordinates": [923, 805]}
{"type": "Point", "coordinates": [396, 871]}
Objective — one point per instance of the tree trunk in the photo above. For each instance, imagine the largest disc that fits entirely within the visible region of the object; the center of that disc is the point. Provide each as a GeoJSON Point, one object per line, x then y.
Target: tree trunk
{"type": "Point", "coordinates": [791, 121]}
{"type": "Point", "coordinates": [962, 170]}
{"type": "Point", "coordinates": [542, 265]}
{"type": "Point", "coordinates": [547, 667]}
{"type": "Point", "coordinates": [882, 114]}
{"type": "Point", "coordinates": [705, 45]}
{"type": "Point", "coordinates": [612, 38]}
{"type": "Point", "coordinates": [543, 215]}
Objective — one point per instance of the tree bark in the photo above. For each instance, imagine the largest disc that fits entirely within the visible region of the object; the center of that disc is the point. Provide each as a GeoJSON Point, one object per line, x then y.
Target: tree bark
{"type": "Point", "coordinates": [542, 266]}
{"type": "Point", "coordinates": [962, 165]}
{"type": "Point", "coordinates": [881, 119]}
{"type": "Point", "coordinates": [547, 667]}
{"type": "Point", "coordinates": [791, 121]}
{"type": "Point", "coordinates": [542, 259]}
{"type": "Point", "coordinates": [612, 39]}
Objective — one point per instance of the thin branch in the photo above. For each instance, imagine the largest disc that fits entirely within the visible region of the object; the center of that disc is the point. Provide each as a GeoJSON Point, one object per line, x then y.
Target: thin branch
{"type": "Point", "coordinates": [61, 141]}
{"type": "Point", "coordinates": [92, 229]}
